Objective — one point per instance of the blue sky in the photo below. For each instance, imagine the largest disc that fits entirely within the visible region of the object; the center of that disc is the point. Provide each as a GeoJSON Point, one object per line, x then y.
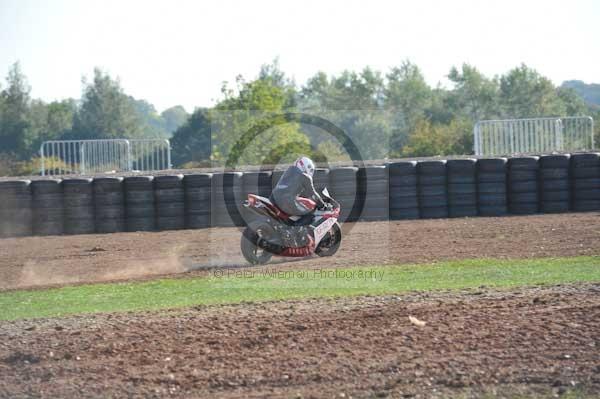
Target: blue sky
{"type": "Point", "coordinates": [180, 52]}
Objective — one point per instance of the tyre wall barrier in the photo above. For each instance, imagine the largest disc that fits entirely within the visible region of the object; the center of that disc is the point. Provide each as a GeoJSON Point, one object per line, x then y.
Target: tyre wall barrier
{"type": "Point", "coordinates": [169, 194]}
{"type": "Point", "coordinates": [259, 183]}
{"type": "Point", "coordinates": [462, 187]}
{"type": "Point", "coordinates": [396, 191]}
{"type": "Point", "coordinates": [585, 182]}
{"type": "Point", "coordinates": [403, 197]}
{"type": "Point", "coordinates": [321, 179]}
{"type": "Point", "coordinates": [522, 185]}
{"type": "Point", "coordinates": [554, 183]}
{"type": "Point", "coordinates": [432, 190]}
{"type": "Point", "coordinates": [109, 204]}
{"type": "Point", "coordinates": [375, 183]}
{"type": "Point", "coordinates": [491, 187]}
{"type": "Point", "coordinates": [78, 200]}
{"type": "Point", "coordinates": [220, 215]}
{"type": "Point", "coordinates": [343, 187]}
{"type": "Point", "coordinates": [15, 208]}
{"type": "Point", "coordinates": [47, 206]}
{"type": "Point", "coordinates": [198, 193]}
{"type": "Point", "coordinates": [140, 209]}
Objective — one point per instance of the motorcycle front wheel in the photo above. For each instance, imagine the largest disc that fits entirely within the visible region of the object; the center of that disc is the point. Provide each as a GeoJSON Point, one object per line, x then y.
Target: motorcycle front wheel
{"type": "Point", "coordinates": [250, 249]}
{"type": "Point", "coordinates": [331, 242]}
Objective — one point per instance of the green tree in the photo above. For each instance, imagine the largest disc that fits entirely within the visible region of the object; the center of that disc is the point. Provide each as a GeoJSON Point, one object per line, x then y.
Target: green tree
{"type": "Point", "coordinates": [354, 102]}
{"type": "Point", "coordinates": [594, 112]}
{"type": "Point", "coordinates": [589, 92]}
{"type": "Point", "coordinates": [191, 143]}
{"type": "Point", "coordinates": [52, 121]}
{"type": "Point", "coordinates": [348, 91]}
{"type": "Point", "coordinates": [409, 96]}
{"type": "Point", "coordinates": [60, 118]}
{"type": "Point", "coordinates": [429, 139]}
{"type": "Point", "coordinates": [573, 102]}
{"type": "Point", "coordinates": [251, 105]}
{"type": "Point", "coordinates": [408, 92]}
{"type": "Point", "coordinates": [474, 95]}
{"type": "Point", "coordinates": [14, 133]}
{"type": "Point", "coordinates": [330, 151]}
{"type": "Point", "coordinates": [106, 112]}
{"type": "Point", "coordinates": [524, 93]}
{"type": "Point", "coordinates": [37, 125]}
{"type": "Point", "coordinates": [174, 118]}
{"type": "Point", "coordinates": [153, 125]}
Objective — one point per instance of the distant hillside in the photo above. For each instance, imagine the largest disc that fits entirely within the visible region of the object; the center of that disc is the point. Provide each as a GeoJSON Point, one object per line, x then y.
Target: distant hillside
{"type": "Point", "coordinates": [589, 92]}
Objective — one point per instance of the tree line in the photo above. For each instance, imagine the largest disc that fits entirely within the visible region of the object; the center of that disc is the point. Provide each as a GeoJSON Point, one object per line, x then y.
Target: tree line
{"type": "Point", "coordinates": [104, 111]}
{"type": "Point", "coordinates": [391, 114]}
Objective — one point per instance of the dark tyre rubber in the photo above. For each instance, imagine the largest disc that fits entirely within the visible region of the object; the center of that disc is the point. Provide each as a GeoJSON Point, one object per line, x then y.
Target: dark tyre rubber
{"type": "Point", "coordinates": [434, 213]}
{"type": "Point", "coordinates": [404, 213]}
{"type": "Point", "coordinates": [493, 165]}
{"type": "Point", "coordinates": [554, 161]}
{"type": "Point", "coordinates": [462, 211]}
{"type": "Point", "coordinates": [493, 210]}
{"type": "Point", "coordinates": [330, 244]}
{"type": "Point", "coordinates": [250, 250]}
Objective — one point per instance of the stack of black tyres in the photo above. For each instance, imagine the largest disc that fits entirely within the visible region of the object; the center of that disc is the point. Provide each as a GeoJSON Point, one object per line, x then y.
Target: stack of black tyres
{"type": "Point", "coordinates": [462, 187]}
{"type": "Point", "coordinates": [256, 183]}
{"type": "Point", "coordinates": [554, 183]}
{"type": "Point", "coordinates": [321, 179]}
{"type": "Point", "coordinates": [198, 193]}
{"type": "Point", "coordinates": [139, 200]}
{"type": "Point", "coordinates": [109, 204]}
{"type": "Point", "coordinates": [375, 186]}
{"type": "Point", "coordinates": [433, 196]}
{"type": "Point", "coordinates": [585, 182]}
{"type": "Point", "coordinates": [15, 208]}
{"type": "Point", "coordinates": [403, 198]}
{"type": "Point", "coordinates": [344, 189]}
{"type": "Point", "coordinates": [169, 195]}
{"type": "Point", "coordinates": [523, 192]}
{"type": "Point", "coordinates": [491, 187]}
{"type": "Point", "coordinates": [78, 200]}
{"type": "Point", "coordinates": [48, 209]}
{"type": "Point", "coordinates": [227, 199]}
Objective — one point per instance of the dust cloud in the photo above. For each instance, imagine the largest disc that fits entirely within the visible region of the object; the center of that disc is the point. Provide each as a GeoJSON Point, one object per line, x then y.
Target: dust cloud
{"type": "Point", "coordinates": [35, 274]}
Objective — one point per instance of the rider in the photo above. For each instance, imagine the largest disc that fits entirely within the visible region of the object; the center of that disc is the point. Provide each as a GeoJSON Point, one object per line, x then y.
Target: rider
{"type": "Point", "coordinates": [297, 181]}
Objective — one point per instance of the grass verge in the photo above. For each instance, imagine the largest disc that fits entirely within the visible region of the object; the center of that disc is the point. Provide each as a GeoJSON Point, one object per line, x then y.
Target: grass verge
{"type": "Point", "coordinates": [234, 286]}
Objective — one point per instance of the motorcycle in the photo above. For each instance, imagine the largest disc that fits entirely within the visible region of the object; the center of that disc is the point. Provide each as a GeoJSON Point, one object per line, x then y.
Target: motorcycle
{"type": "Point", "coordinates": [273, 232]}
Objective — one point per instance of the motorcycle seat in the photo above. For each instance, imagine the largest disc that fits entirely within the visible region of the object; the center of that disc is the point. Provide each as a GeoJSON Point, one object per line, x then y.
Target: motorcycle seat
{"type": "Point", "coordinates": [290, 220]}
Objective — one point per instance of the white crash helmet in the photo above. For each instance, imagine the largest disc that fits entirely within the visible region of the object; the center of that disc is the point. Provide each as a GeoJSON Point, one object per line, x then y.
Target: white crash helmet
{"type": "Point", "coordinates": [305, 165]}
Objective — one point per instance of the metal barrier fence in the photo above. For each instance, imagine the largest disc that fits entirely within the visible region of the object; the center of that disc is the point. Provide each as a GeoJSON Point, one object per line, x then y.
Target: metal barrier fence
{"type": "Point", "coordinates": [84, 157]}
{"type": "Point", "coordinates": [150, 154]}
{"type": "Point", "coordinates": [533, 135]}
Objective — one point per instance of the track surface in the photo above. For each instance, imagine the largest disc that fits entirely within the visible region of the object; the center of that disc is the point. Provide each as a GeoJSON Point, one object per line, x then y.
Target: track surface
{"type": "Point", "coordinates": [528, 341]}
{"type": "Point", "coordinates": [37, 261]}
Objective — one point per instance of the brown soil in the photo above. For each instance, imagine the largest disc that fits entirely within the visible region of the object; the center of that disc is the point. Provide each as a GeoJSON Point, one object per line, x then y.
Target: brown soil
{"type": "Point", "coordinates": [521, 342]}
{"type": "Point", "coordinates": [36, 261]}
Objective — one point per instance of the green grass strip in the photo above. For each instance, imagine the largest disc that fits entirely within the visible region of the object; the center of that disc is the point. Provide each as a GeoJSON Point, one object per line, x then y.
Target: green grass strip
{"type": "Point", "coordinates": [234, 286]}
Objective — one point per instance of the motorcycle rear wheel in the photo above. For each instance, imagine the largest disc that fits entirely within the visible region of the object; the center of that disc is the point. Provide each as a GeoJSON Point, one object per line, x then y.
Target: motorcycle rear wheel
{"type": "Point", "coordinates": [330, 244]}
{"type": "Point", "coordinates": [250, 250]}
